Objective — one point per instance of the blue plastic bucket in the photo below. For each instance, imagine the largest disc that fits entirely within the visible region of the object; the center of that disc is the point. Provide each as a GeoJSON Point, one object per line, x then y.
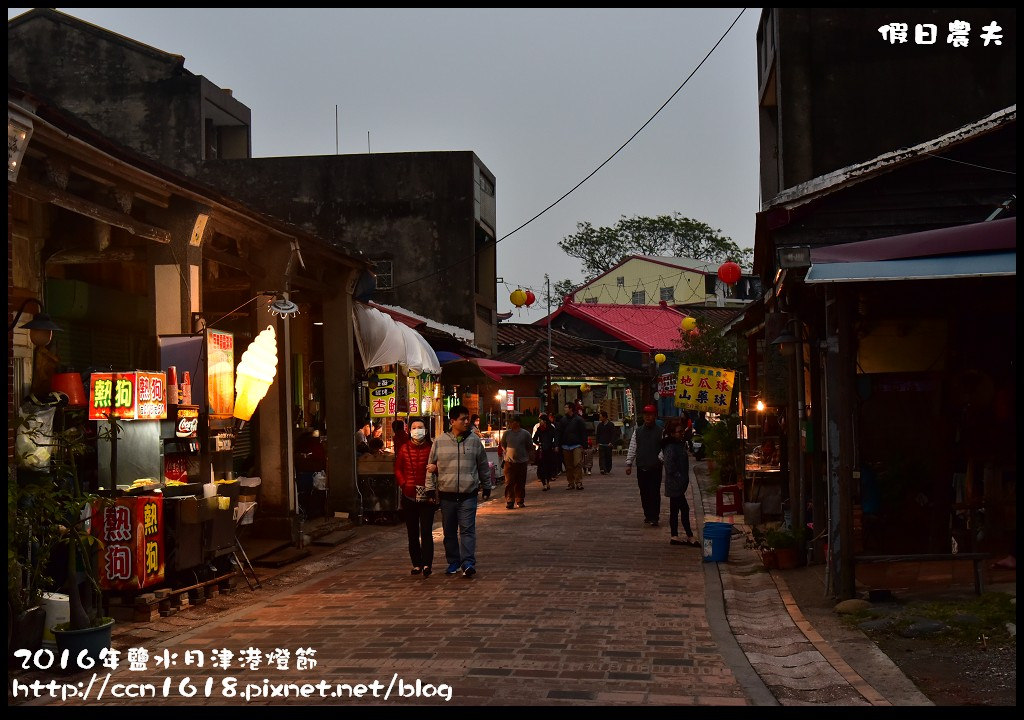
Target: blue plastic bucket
{"type": "Point", "coordinates": [716, 541]}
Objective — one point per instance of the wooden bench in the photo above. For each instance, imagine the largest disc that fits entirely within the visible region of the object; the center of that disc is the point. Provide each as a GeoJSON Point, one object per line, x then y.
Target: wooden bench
{"type": "Point", "coordinates": [976, 558]}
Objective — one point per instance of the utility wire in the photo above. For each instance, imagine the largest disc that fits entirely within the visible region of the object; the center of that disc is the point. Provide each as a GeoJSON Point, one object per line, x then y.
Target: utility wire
{"type": "Point", "coordinates": [595, 171]}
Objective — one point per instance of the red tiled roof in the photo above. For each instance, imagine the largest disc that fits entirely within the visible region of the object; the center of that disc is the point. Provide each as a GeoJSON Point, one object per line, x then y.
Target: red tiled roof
{"type": "Point", "coordinates": [644, 327]}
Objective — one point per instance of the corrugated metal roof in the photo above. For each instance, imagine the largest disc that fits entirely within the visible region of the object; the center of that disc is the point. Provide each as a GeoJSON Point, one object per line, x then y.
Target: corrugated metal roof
{"type": "Point", "coordinates": [644, 327]}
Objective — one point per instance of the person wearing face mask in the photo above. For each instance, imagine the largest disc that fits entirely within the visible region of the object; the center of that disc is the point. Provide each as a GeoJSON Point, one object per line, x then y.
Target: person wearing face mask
{"type": "Point", "coordinates": [417, 507]}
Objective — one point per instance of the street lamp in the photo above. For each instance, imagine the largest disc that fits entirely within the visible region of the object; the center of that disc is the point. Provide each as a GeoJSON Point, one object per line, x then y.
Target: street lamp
{"type": "Point", "coordinates": [40, 327]}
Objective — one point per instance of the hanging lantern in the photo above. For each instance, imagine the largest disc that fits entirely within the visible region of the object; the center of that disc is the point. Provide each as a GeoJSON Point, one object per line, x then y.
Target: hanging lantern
{"type": "Point", "coordinates": [518, 298]}
{"type": "Point", "coordinates": [530, 298]}
{"type": "Point", "coordinates": [729, 272]}
{"type": "Point", "coordinates": [688, 324]}
{"type": "Point", "coordinates": [555, 389]}
{"type": "Point", "coordinates": [660, 358]}
{"type": "Point", "coordinates": [584, 388]}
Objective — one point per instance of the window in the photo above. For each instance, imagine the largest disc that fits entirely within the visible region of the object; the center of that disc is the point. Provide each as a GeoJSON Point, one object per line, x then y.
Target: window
{"type": "Point", "coordinates": [639, 297]}
{"type": "Point", "coordinates": [620, 281]}
{"type": "Point", "coordinates": [668, 294]}
{"type": "Point", "coordinates": [592, 300]}
{"type": "Point", "coordinates": [710, 282]}
{"type": "Point", "coordinates": [385, 278]}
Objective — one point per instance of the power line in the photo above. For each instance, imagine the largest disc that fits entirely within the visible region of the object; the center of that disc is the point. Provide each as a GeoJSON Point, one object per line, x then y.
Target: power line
{"type": "Point", "coordinates": [595, 170]}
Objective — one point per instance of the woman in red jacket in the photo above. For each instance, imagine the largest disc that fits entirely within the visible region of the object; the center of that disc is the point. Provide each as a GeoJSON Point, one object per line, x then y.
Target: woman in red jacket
{"type": "Point", "coordinates": [417, 509]}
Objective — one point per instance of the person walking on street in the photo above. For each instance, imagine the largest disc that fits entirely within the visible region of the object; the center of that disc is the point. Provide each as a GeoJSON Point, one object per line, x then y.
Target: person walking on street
{"type": "Point", "coordinates": [458, 470]}
{"type": "Point", "coordinates": [677, 479]}
{"type": "Point", "coordinates": [644, 446]}
{"type": "Point", "coordinates": [572, 436]}
{"type": "Point", "coordinates": [606, 434]}
{"type": "Point", "coordinates": [416, 508]}
{"type": "Point", "coordinates": [546, 440]}
{"type": "Point", "coordinates": [516, 444]}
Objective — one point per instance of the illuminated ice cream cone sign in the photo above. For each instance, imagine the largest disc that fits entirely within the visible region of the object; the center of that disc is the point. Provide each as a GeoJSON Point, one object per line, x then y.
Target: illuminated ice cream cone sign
{"type": "Point", "coordinates": [255, 373]}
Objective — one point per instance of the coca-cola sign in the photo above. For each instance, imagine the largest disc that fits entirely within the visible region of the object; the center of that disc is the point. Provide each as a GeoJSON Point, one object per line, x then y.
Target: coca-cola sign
{"type": "Point", "coordinates": [187, 422]}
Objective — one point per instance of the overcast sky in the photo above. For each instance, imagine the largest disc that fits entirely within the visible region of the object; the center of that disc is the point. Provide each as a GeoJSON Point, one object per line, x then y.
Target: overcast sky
{"type": "Point", "coordinates": [542, 96]}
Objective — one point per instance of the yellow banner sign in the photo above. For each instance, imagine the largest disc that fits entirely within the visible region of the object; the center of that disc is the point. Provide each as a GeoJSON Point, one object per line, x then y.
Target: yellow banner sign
{"type": "Point", "coordinates": [704, 388]}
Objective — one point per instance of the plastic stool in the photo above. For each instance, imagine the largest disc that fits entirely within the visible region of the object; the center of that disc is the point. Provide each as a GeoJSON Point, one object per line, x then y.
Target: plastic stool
{"type": "Point", "coordinates": [728, 499]}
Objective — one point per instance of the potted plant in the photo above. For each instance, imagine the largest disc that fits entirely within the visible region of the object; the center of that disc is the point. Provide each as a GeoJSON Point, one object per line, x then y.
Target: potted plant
{"type": "Point", "coordinates": [722, 447]}
{"type": "Point", "coordinates": [27, 558]}
{"type": "Point", "coordinates": [33, 502]}
{"type": "Point", "coordinates": [52, 512]}
{"type": "Point", "coordinates": [756, 541]}
{"type": "Point", "coordinates": [786, 542]}
{"type": "Point", "coordinates": [87, 630]}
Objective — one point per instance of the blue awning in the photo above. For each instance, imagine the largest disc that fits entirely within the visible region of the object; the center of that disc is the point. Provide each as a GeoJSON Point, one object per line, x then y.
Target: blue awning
{"type": "Point", "coordinates": [997, 264]}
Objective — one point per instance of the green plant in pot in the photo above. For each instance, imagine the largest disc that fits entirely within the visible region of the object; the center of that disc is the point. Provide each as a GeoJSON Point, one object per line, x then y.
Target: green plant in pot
{"type": "Point", "coordinates": [53, 511]}
{"type": "Point", "coordinates": [723, 447]}
{"type": "Point", "coordinates": [88, 630]}
{"type": "Point", "coordinates": [34, 501]}
{"type": "Point", "coordinates": [786, 542]}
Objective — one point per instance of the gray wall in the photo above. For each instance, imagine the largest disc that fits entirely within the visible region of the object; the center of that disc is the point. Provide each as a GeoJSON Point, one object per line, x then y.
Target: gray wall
{"type": "Point", "coordinates": [845, 95]}
{"type": "Point", "coordinates": [136, 95]}
{"type": "Point", "coordinates": [416, 209]}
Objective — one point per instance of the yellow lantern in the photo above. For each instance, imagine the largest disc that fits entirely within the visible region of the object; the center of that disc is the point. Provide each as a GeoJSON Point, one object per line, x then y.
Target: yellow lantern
{"type": "Point", "coordinates": [518, 298]}
{"type": "Point", "coordinates": [584, 388]}
{"type": "Point", "coordinates": [660, 358]}
{"type": "Point", "coordinates": [555, 388]}
{"type": "Point", "coordinates": [688, 323]}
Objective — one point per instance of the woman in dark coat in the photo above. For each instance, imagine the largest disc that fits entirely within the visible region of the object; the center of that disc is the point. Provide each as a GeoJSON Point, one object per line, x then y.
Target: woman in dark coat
{"type": "Point", "coordinates": [548, 452]}
{"type": "Point", "coordinates": [677, 480]}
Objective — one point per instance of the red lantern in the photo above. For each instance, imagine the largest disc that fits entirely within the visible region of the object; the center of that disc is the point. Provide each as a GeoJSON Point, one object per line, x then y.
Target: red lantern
{"type": "Point", "coordinates": [530, 298]}
{"type": "Point", "coordinates": [729, 273]}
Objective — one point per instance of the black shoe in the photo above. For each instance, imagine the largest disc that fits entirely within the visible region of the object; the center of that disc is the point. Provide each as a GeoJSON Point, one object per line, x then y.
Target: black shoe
{"type": "Point", "coordinates": [654, 523]}
{"type": "Point", "coordinates": [427, 571]}
{"type": "Point", "coordinates": [519, 505]}
{"type": "Point", "coordinates": [509, 506]}
{"type": "Point", "coordinates": [677, 541]}
{"type": "Point", "coordinates": [416, 570]}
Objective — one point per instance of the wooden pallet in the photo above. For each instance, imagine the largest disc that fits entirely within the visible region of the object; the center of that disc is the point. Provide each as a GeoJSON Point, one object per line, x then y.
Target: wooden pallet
{"type": "Point", "coordinates": [149, 605]}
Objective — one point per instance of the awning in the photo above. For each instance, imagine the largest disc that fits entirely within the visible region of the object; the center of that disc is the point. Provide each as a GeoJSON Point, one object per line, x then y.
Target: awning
{"type": "Point", "coordinates": [383, 341]}
{"type": "Point", "coordinates": [478, 369]}
{"type": "Point", "coordinates": [997, 264]}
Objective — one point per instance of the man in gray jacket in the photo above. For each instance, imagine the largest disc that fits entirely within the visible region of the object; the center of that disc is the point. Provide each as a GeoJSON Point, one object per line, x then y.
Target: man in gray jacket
{"type": "Point", "coordinates": [644, 446]}
{"type": "Point", "coordinates": [456, 469]}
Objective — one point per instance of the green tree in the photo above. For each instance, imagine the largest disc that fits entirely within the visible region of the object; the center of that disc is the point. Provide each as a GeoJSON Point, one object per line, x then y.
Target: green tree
{"type": "Point", "coordinates": [710, 347]}
{"type": "Point", "coordinates": [558, 292]}
{"type": "Point", "coordinates": [601, 248]}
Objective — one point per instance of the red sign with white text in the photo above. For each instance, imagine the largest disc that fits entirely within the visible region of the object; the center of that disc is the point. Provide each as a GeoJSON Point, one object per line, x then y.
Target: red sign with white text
{"type": "Point", "coordinates": [132, 531]}
{"type": "Point", "coordinates": [136, 395]}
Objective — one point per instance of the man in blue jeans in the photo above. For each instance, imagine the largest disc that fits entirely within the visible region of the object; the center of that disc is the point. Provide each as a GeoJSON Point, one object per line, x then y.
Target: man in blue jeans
{"type": "Point", "coordinates": [456, 470]}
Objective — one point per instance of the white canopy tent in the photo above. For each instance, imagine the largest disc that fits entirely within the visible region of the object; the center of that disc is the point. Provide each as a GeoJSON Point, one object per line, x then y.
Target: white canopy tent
{"type": "Point", "coordinates": [384, 341]}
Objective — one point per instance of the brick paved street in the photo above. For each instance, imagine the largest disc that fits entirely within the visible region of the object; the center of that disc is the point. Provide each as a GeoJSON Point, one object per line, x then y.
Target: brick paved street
{"type": "Point", "coordinates": [576, 602]}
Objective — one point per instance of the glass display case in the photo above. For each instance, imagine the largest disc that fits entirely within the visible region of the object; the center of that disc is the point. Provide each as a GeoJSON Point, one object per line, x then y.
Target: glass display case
{"type": "Point", "coordinates": [762, 453]}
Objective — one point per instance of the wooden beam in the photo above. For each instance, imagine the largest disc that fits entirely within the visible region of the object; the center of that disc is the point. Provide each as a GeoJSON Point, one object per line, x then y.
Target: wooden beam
{"type": "Point", "coordinates": [233, 261]}
{"type": "Point", "coordinates": [314, 285]}
{"type": "Point", "coordinates": [82, 256]}
{"type": "Point", "coordinates": [68, 201]}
